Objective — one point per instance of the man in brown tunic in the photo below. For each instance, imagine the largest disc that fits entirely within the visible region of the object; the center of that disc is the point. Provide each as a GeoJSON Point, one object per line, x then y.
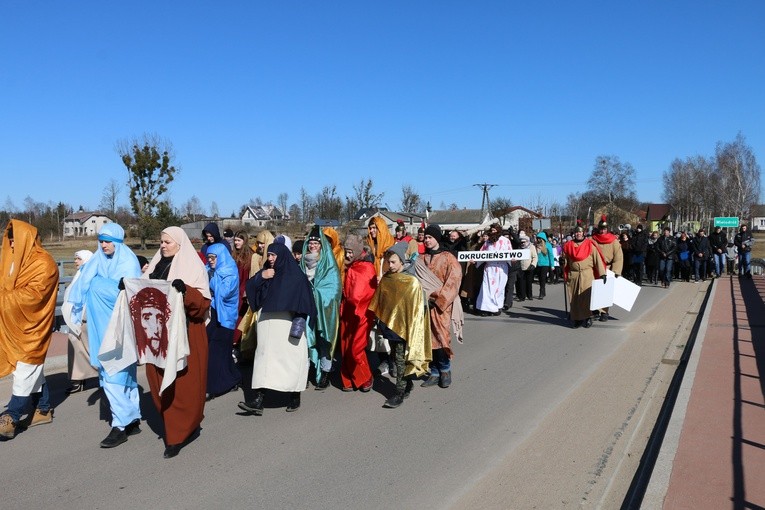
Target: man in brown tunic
{"type": "Point", "coordinates": [611, 250]}
{"type": "Point", "coordinates": [445, 267]}
{"type": "Point", "coordinates": [583, 263]}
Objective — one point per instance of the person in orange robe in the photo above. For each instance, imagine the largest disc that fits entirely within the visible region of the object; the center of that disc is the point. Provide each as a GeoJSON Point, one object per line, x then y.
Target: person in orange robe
{"type": "Point", "coordinates": [27, 309]}
{"type": "Point", "coordinates": [356, 319]}
{"type": "Point", "coordinates": [182, 404]}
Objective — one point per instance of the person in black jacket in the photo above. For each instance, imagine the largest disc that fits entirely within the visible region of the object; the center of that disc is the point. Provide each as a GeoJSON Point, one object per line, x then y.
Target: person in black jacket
{"type": "Point", "coordinates": [744, 242]}
{"type": "Point", "coordinates": [652, 259]}
{"type": "Point", "coordinates": [719, 243]}
{"type": "Point", "coordinates": [701, 254]}
{"type": "Point", "coordinates": [639, 247]}
{"type": "Point", "coordinates": [666, 249]}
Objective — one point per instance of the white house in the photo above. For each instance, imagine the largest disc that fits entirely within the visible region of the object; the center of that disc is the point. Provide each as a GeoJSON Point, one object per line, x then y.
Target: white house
{"type": "Point", "coordinates": [259, 216]}
{"type": "Point", "coordinates": [757, 221]}
{"type": "Point", "coordinates": [83, 224]}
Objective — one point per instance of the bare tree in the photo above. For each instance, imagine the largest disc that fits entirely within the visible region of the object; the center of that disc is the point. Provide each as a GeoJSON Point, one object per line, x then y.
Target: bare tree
{"type": "Point", "coordinates": [411, 202]}
{"type": "Point", "coordinates": [214, 211]}
{"type": "Point", "coordinates": [282, 201]}
{"type": "Point", "coordinates": [109, 198]}
{"type": "Point", "coordinates": [192, 208]}
{"type": "Point", "coordinates": [739, 174]}
{"type": "Point", "coordinates": [364, 196]}
{"type": "Point", "coordinates": [612, 182]}
{"type": "Point", "coordinates": [328, 204]}
{"type": "Point", "coordinates": [307, 206]}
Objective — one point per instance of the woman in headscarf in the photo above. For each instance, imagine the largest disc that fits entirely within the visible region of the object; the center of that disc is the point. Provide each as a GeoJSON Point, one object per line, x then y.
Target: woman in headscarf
{"type": "Point", "coordinates": [182, 404]}
{"type": "Point", "coordinates": [282, 297]}
{"type": "Point", "coordinates": [78, 357]}
{"type": "Point", "coordinates": [96, 289]}
{"type": "Point", "coordinates": [379, 239]}
{"type": "Point", "coordinates": [222, 374]}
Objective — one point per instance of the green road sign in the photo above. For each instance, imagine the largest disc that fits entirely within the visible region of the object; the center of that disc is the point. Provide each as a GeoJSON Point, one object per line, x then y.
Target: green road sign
{"type": "Point", "coordinates": [724, 221]}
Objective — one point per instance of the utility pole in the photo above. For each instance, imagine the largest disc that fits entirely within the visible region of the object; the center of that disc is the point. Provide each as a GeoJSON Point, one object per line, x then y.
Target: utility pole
{"type": "Point", "coordinates": [485, 197]}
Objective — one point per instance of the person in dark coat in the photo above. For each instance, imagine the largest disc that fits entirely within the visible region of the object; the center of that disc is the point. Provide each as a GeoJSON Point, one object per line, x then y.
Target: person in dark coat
{"type": "Point", "coordinates": [719, 243]}
{"type": "Point", "coordinates": [652, 259]}
{"type": "Point", "coordinates": [744, 242]}
{"type": "Point", "coordinates": [666, 248]}
{"type": "Point", "coordinates": [701, 254]}
{"type": "Point", "coordinates": [639, 247]}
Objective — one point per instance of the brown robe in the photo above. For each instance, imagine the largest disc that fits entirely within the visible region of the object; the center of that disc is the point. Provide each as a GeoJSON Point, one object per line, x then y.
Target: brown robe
{"type": "Point", "coordinates": [445, 266]}
{"type": "Point", "coordinates": [182, 404]}
{"type": "Point", "coordinates": [580, 277]}
{"type": "Point", "coordinates": [614, 258]}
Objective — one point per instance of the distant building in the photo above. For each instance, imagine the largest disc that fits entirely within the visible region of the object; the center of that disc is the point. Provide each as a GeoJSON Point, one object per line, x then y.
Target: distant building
{"type": "Point", "coordinates": [757, 219]}
{"type": "Point", "coordinates": [657, 216]}
{"type": "Point", "coordinates": [261, 215]}
{"type": "Point", "coordinates": [411, 221]}
{"type": "Point", "coordinates": [85, 224]}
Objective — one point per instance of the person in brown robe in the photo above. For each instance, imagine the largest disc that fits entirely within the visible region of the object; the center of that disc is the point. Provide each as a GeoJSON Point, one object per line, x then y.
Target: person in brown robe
{"type": "Point", "coordinates": [445, 266]}
{"type": "Point", "coordinates": [182, 404]}
{"type": "Point", "coordinates": [611, 250]}
{"type": "Point", "coordinates": [583, 263]}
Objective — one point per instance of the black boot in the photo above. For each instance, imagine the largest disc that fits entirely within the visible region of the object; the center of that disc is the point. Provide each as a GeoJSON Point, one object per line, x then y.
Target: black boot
{"type": "Point", "coordinates": [395, 401]}
{"type": "Point", "coordinates": [408, 389]}
{"type": "Point", "coordinates": [323, 383]}
{"type": "Point", "coordinates": [603, 317]}
{"type": "Point", "coordinates": [432, 380]}
{"type": "Point", "coordinates": [294, 404]}
{"type": "Point", "coordinates": [255, 406]}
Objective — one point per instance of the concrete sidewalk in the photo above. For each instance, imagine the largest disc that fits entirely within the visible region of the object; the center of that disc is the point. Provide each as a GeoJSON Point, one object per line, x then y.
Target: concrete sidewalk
{"type": "Point", "coordinates": [713, 455]}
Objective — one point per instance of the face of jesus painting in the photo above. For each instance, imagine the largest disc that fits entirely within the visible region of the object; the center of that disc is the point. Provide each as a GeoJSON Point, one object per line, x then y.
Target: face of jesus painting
{"type": "Point", "coordinates": [150, 312]}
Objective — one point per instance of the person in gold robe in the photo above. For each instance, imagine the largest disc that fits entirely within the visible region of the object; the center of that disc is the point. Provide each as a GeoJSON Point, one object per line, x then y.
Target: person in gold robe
{"type": "Point", "coordinates": [27, 308]}
{"type": "Point", "coordinates": [400, 307]}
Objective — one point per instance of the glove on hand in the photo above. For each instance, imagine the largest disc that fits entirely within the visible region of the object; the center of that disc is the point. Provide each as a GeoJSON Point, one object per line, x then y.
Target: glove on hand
{"type": "Point", "coordinates": [604, 278]}
{"type": "Point", "coordinates": [121, 284]}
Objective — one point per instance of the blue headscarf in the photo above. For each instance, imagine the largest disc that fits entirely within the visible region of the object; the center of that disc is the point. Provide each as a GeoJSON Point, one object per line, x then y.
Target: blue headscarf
{"type": "Point", "coordinates": [224, 283]}
{"type": "Point", "coordinates": [97, 287]}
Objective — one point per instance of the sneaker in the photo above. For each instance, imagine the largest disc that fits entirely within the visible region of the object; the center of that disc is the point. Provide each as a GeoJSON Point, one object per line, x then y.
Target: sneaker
{"type": "Point", "coordinates": [41, 417]}
{"type": "Point", "coordinates": [76, 387]}
{"type": "Point", "coordinates": [383, 368]}
{"type": "Point", "coordinates": [603, 317]}
{"type": "Point", "coordinates": [431, 381]}
{"type": "Point", "coordinates": [115, 438]}
{"type": "Point", "coordinates": [395, 401]}
{"type": "Point", "coordinates": [7, 427]}
{"type": "Point", "coordinates": [587, 322]}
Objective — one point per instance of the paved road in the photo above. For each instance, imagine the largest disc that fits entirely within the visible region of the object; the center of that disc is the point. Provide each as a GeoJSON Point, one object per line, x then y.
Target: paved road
{"type": "Point", "coordinates": [339, 450]}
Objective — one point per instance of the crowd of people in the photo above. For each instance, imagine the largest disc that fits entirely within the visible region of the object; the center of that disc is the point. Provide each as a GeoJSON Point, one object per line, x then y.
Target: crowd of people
{"type": "Point", "coordinates": [369, 306]}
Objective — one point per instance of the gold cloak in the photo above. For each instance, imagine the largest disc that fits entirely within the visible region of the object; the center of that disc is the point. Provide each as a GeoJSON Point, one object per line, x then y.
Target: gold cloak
{"type": "Point", "coordinates": [399, 303]}
{"type": "Point", "coordinates": [27, 298]}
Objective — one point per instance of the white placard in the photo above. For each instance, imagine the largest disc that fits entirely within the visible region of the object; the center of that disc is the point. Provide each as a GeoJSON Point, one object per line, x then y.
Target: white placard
{"type": "Point", "coordinates": [602, 293]}
{"type": "Point", "coordinates": [625, 293]}
{"type": "Point", "coordinates": [493, 256]}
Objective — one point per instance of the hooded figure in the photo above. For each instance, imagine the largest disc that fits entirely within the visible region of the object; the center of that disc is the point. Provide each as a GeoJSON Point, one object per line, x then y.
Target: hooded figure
{"type": "Point", "coordinates": [282, 296]}
{"type": "Point", "coordinates": [97, 288]}
{"type": "Point", "coordinates": [211, 235]}
{"type": "Point", "coordinates": [319, 264]}
{"type": "Point", "coordinates": [27, 308]}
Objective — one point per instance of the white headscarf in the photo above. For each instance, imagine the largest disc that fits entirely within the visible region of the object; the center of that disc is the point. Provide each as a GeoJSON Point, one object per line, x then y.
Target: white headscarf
{"type": "Point", "coordinates": [186, 264]}
{"type": "Point", "coordinates": [83, 255]}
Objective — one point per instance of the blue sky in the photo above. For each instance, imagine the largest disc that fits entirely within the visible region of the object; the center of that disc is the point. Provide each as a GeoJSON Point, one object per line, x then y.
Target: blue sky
{"type": "Point", "coordinates": [260, 98]}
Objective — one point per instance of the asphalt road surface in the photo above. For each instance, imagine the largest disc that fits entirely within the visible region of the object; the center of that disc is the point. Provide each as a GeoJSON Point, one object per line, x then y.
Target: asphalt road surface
{"type": "Point", "coordinates": [517, 380]}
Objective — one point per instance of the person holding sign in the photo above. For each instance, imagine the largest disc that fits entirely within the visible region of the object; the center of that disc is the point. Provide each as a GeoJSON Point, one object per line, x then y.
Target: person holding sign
{"type": "Point", "coordinates": [611, 250]}
{"type": "Point", "coordinates": [491, 297]}
{"type": "Point", "coordinates": [583, 263]}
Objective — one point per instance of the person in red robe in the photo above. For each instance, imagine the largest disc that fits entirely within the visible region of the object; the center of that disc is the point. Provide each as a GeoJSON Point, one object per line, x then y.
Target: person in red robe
{"type": "Point", "coordinates": [356, 320]}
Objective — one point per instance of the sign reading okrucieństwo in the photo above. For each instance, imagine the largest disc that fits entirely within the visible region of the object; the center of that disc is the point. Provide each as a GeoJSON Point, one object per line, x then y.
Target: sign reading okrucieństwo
{"type": "Point", "coordinates": [493, 256]}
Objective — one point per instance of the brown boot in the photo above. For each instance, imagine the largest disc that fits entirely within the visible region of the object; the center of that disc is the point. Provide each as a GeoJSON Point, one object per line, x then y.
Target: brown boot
{"type": "Point", "coordinates": [7, 427]}
{"type": "Point", "coordinates": [41, 417]}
